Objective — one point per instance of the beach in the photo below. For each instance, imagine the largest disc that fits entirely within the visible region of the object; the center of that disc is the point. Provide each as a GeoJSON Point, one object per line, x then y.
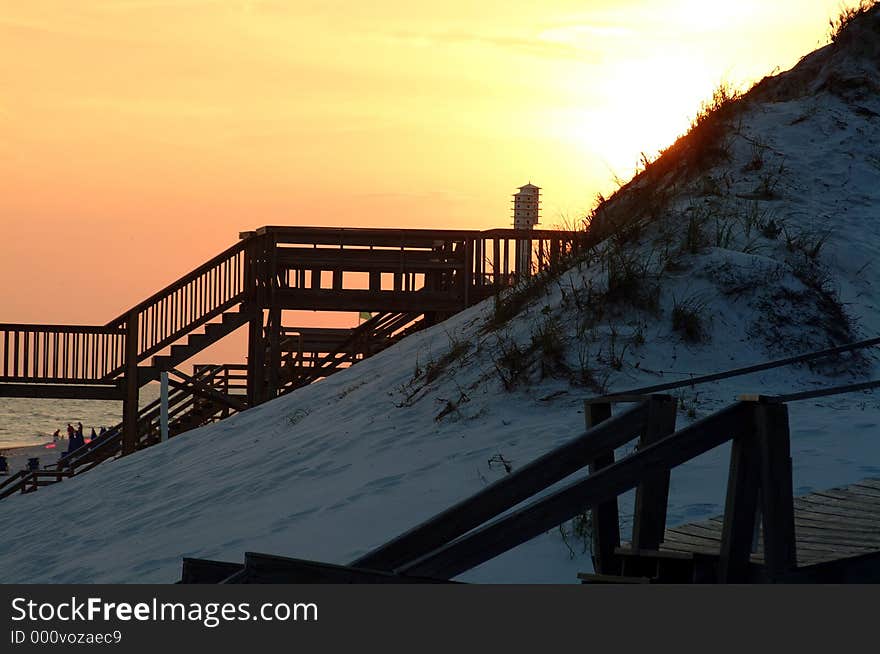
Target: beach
{"type": "Point", "coordinates": [48, 453]}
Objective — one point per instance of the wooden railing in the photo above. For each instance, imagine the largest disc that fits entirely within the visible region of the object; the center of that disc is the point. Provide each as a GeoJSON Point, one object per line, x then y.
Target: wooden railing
{"type": "Point", "coordinates": [60, 353]}
{"type": "Point", "coordinates": [501, 257]}
{"type": "Point", "coordinates": [759, 432]}
{"type": "Point", "coordinates": [206, 292]}
{"type": "Point", "coordinates": [466, 535]}
{"type": "Point", "coordinates": [83, 354]}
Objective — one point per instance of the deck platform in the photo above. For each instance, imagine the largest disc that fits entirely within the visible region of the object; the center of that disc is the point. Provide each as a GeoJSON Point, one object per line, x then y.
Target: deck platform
{"type": "Point", "coordinates": [837, 536]}
{"type": "Point", "coordinates": [829, 525]}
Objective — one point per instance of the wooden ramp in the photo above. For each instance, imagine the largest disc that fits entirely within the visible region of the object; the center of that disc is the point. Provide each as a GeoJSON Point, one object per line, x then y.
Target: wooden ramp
{"type": "Point", "coordinates": [829, 525]}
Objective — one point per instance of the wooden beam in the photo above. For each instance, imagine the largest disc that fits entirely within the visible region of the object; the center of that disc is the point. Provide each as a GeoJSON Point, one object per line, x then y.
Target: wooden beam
{"type": "Point", "coordinates": [740, 510]}
{"type": "Point", "coordinates": [606, 521]}
{"type": "Point", "coordinates": [357, 300]}
{"type": "Point", "coordinates": [204, 571]}
{"type": "Point", "coordinates": [777, 503]}
{"type": "Point", "coordinates": [132, 386]}
{"type": "Point", "coordinates": [63, 391]}
{"type": "Point", "coordinates": [652, 495]}
{"type": "Point", "coordinates": [268, 569]}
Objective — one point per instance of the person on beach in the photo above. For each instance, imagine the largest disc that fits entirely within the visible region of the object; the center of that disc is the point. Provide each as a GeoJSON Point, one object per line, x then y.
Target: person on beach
{"type": "Point", "coordinates": [93, 435]}
{"type": "Point", "coordinates": [76, 442]}
{"type": "Point", "coordinates": [56, 435]}
{"type": "Point", "coordinates": [103, 431]}
{"type": "Point", "coordinates": [70, 432]}
{"type": "Point", "coordinates": [79, 431]}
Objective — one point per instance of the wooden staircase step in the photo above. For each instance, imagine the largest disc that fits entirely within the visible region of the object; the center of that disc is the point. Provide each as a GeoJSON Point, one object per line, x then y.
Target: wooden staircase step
{"type": "Point", "coordinates": [593, 578]}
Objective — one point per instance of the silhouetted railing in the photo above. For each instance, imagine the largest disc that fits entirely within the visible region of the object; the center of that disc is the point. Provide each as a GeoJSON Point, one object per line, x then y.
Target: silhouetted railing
{"type": "Point", "coordinates": [60, 353]}
{"type": "Point", "coordinates": [190, 302]}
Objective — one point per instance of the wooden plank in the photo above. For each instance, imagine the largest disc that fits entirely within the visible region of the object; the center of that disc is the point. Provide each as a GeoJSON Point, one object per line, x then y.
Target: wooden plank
{"type": "Point", "coordinates": [869, 483]}
{"type": "Point", "coordinates": [204, 571]}
{"type": "Point", "coordinates": [660, 554]}
{"type": "Point", "coordinates": [777, 508]}
{"type": "Point", "coordinates": [506, 492]}
{"type": "Point", "coordinates": [850, 504]}
{"type": "Point", "coordinates": [740, 510]}
{"type": "Point", "coordinates": [591, 578]}
{"type": "Point", "coordinates": [269, 569]}
{"type": "Point", "coordinates": [652, 494]}
{"type": "Point", "coordinates": [606, 523]}
{"type": "Point", "coordinates": [853, 499]}
{"type": "Point", "coordinates": [840, 510]}
{"type": "Point", "coordinates": [62, 391]}
{"type": "Point", "coordinates": [356, 300]}
{"type": "Point", "coordinates": [819, 521]}
{"type": "Point", "coordinates": [684, 537]}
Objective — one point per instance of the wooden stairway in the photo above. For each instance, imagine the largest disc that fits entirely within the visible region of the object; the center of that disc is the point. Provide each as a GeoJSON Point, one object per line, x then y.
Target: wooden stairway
{"type": "Point", "coordinates": [195, 343]}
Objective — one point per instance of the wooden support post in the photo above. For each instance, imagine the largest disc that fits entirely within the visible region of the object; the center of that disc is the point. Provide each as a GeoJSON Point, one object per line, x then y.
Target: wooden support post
{"type": "Point", "coordinates": [606, 525]}
{"type": "Point", "coordinates": [337, 280]}
{"type": "Point", "coordinates": [132, 386]}
{"type": "Point", "coordinates": [496, 262]}
{"type": "Point", "coordinates": [467, 280]}
{"type": "Point", "coordinates": [777, 503]}
{"type": "Point", "coordinates": [375, 280]}
{"type": "Point", "coordinates": [273, 327]}
{"type": "Point", "coordinates": [740, 509]}
{"type": "Point", "coordinates": [652, 495]}
{"type": "Point", "coordinates": [256, 360]}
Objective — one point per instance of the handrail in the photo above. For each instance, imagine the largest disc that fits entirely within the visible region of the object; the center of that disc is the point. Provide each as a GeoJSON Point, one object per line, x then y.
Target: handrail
{"type": "Point", "coordinates": [61, 329]}
{"type": "Point", "coordinates": [183, 281]}
{"type": "Point", "coordinates": [537, 517]}
{"type": "Point", "coordinates": [810, 395]}
{"type": "Point", "coordinates": [736, 372]}
{"type": "Point", "coordinates": [59, 353]}
{"type": "Point", "coordinates": [214, 287]}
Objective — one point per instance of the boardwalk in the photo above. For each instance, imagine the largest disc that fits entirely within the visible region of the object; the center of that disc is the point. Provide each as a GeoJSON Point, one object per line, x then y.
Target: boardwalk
{"type": "Point", "coordinates": [406, 279]}
{"type": "Point", "coordinates": [829, 525]}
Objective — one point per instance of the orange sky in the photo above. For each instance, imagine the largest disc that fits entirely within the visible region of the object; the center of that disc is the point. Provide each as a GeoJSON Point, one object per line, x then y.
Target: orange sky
{"type": "Point", "coordinates": [138, 137]}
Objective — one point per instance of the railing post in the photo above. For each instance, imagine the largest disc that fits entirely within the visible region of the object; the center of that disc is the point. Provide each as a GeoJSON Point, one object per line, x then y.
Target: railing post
{"type": "Point", "coordinates": [132, 387]}
{"type": "Point", "coordinates": [273, 327]}
{"type": "Point", "coordinates": [777, 502]}
{"type": "Point", "coordinates": [254, 301]}
{"type": "Point", "coordinates": [467, 278]}
{"type": "Point", "coordinates": [740, 508]}
{"type": "Point", "coordinates": [605, 519]}
{"type": "Point", "coordinates": [652, 495]}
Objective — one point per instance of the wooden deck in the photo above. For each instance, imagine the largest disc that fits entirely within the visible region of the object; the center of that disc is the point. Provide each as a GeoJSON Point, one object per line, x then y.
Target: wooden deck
{"type": "Point", "coordinates": [829, 525]}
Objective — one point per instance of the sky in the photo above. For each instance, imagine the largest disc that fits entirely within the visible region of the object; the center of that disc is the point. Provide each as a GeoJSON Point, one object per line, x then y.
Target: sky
{"type": "Point", "coordinates": [139, 137]}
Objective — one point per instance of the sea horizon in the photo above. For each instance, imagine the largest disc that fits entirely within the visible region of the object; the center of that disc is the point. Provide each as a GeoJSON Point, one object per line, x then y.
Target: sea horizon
{"type": "Point", "coordinates": [29, 421]}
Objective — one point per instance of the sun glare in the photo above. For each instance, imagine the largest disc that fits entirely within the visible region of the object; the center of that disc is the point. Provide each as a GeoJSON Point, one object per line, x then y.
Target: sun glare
{"type": "Point", "coordinates": [642, 108]}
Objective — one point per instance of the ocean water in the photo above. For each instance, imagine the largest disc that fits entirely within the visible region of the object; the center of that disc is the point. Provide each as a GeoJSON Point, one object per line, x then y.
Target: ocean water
{"type": "Point", "coordinates": [27, 421]}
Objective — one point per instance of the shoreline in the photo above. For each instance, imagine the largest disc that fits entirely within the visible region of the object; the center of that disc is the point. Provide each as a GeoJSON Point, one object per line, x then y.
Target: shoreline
{"type": "Point", "coordinates": [17, 456]}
